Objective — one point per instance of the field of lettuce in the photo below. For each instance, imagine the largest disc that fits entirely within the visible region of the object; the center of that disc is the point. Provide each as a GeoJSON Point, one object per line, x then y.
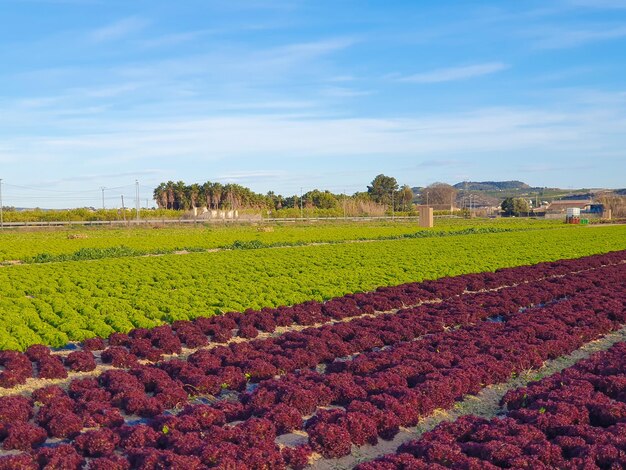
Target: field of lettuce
{"type": "Point", "coordinates": [306, 351]}
{"type": "Point", "coordinates": [84, 242]}
{"type": "Point", "coordinates": [55, 303]}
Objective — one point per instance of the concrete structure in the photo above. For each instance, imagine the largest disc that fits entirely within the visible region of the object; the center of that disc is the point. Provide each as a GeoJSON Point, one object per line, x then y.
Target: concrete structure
{"type": "Point", "coordinates": [427, 220]}
{"type": "Point", "coordinates": [573, 212]}
{"type": "Point", "coordinates": [217, 214]}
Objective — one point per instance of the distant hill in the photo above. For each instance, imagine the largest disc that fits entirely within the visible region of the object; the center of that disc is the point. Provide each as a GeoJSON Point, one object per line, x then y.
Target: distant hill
{"type": "Point", "coordinates": [492, 193]}
{"type": "Point", "coordinates": [491, 185]}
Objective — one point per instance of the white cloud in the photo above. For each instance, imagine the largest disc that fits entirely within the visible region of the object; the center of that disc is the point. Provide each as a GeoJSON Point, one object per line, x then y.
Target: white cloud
{"type": "Point", "coordinates": [455, 73]}
{"type": "Point", "coordinates": [221, 138]}
{"type": "Point", "coordinates": [119, 29]}
{"type": "Point", "coordinates": [241, 148]}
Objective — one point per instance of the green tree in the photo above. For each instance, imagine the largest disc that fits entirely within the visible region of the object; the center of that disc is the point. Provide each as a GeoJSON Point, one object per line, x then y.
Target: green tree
{"type": "Point", "coordinates": [405, 197]}
{"type": "Point", "coordinates": [180, 196]}
{"type": "Point", "coordinates": [382, 188]}
{"type": "Point", "coordinates": [193, 194]}
{"type": "Point", "coordinates": [515, 206]}
{"type": "Point", "coordinates": [277, 201]}
{"type": "Point", "coordinates": [439, 194]}
{"type": "Point", "coordinates": [321, 199]}
{"type": "Point", "coordinates": [160, 196]}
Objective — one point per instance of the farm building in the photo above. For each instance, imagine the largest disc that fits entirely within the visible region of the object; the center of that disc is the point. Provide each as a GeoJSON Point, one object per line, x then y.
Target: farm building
{"type": "Point", "coordinates": [558, 209]}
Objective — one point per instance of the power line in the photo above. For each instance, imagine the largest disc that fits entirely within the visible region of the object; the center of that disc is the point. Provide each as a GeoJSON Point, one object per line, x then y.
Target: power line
{"type": "Point", "coordinates": [67, 191]}
{"type": "Point", "coordinates": [31, 197]}
{"type": "Point", "coordinates": [30, 188]}
{"type": "Point", "coordinates": [61, 198]}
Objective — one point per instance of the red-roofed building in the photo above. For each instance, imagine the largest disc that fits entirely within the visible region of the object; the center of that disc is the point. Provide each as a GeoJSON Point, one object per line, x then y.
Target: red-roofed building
{"type": "Point", "coordinates": [559, 208]}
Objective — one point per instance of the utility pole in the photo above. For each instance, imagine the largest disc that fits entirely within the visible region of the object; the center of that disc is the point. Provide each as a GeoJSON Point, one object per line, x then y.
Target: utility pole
{"type": "Point", "coordinates": [123, 209]}
{"type": "Point", "coordinates": [392, 211]}
{"type": "Point", "coordinates": [137, 199]}
{"type": "Point", "coordinates": [102, 188]}
{"type": "Point", "coordinates": [1, 213]}
{"type": "Point", "coordinates": [344, 203]}
{"type": "Point", "coordinates": [301, 209]}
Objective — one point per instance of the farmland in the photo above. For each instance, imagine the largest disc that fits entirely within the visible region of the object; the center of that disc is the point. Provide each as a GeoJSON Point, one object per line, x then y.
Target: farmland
{"type": "Point", "coordinates": [54, 303]}
{"type": "Point", "coordinates": [298, 347]}
{"type": "Point", "coordinates": [84, 242]}
{"type": "Point", "coordinates": [574, 416]}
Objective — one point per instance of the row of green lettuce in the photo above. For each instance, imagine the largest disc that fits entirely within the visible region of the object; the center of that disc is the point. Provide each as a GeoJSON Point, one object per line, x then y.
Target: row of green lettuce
{"type": "Point", "coordinates": [85, 254]}
{"type": "Point", "coordinates": [61, 302]}
{"type": "Point", "coordinates": [95, 243]}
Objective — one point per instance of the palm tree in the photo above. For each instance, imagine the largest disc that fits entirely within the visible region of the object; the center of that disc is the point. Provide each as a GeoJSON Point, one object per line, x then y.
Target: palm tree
{"type": "Point", "coordinates": [206, 191]}
{"type": "Point", "coordinates": [217, 195]}
{"type": "Point", "coordinates": [180, 196]}
{"type": "Point", "coordinates": [169, 190]}
{"type": "Point", "coordinates": [193, 192]}
{"type": "Point", "coordinates": [160, 195]}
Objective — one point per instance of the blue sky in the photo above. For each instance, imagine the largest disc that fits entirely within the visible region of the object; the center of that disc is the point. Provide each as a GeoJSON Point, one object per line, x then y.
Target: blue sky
{"type": "Point", "coordinates": [277, 94]}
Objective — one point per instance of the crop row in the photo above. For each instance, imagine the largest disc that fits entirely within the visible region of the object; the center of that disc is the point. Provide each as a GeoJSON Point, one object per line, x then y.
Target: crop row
{"type": "Point", "coordinates": [570, 420]}
{"type": "Point", "coordinates": [86, 254]}
{"type": "Point", "coordinates": [54, 304]}
{"type": "Point", "coordinates": [125, 350]}
{"type": "Point", "coordinates": [374, 394]}
{"type": "Point", "coordinates": [29, 246]}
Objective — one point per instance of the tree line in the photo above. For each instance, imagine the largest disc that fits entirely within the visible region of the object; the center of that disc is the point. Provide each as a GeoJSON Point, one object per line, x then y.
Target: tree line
{"type": "Point", "coordinates": [180, 196]}
{"type": "Point", "coordinates": [383, 190]}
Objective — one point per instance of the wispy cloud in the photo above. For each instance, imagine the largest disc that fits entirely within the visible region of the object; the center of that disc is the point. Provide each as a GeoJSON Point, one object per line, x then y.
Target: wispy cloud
{"type": "Point", "coordinates": [100, 177]}
{"type": "Point", "coordinates": [250, 148]}
{"type": "Point", "coordinates": [175, 39]}
{"type": "Point", "coordinates": [341, 78]}
{"type": "Point", "coordinates": [252, 175]}
{"type": "Point", "coordinates": [599, 4]}
{"type": "Point", "coordinates": [181, 37]}
{"type": "Point", "coordinates": [565, 38]}
{"type": "Point", "coordinates": [308, 50]}
{"type": "Point", "coordinates": [441, 163]}
{"type": "Point", "coordinates": [287, 136]}
{"type": "Point", "coordinates": [239, 65]}
{"type": "Point", "coordinates": [118, 29]}
{"type": "Point", "coordinates": [343, 92]}
{"type": "Point", "coordinates": [455, 73]}
{"type": "Point", "coordinates": [62, 2]}
{"type": "Point", "coordinates": [548, 167]}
